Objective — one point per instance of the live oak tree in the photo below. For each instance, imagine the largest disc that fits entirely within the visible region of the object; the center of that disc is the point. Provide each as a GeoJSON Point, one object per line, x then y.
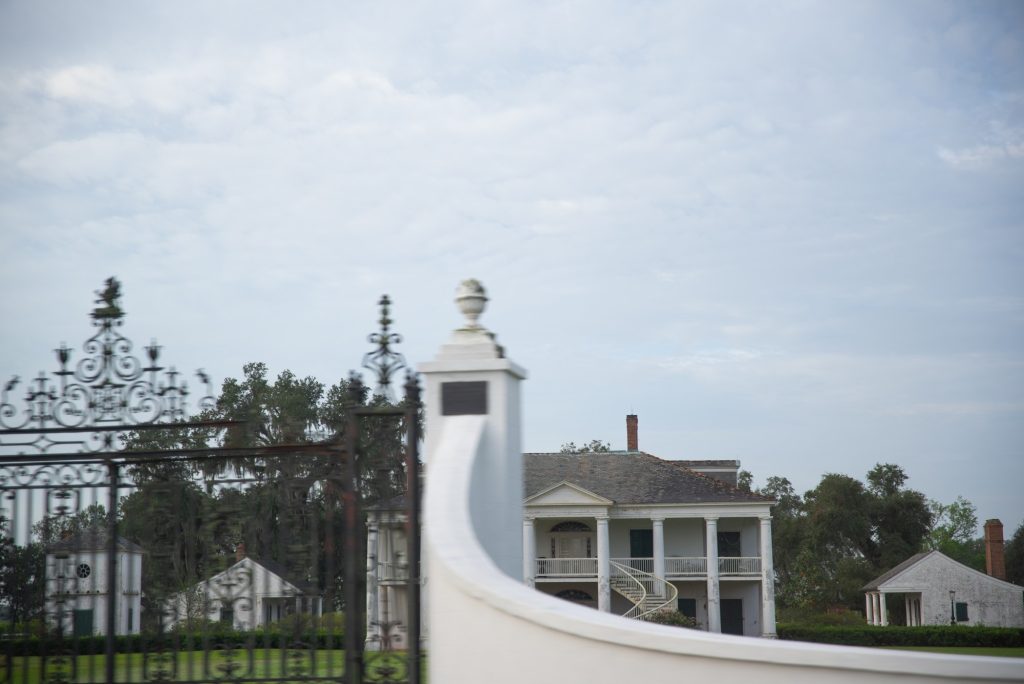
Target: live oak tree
{"type": "Point", "coordinates": [22, 578]}
{"type": "Point", "coordinates": [954, 532]}
{"type": "Point", "coordinates": [593, 446]}
{"type": "Point", "coordinates": [1014, 551]}
{"type": "Point", "coordinates": [277, 501]}
{"type": "Point", "coordinates": [842, 533]}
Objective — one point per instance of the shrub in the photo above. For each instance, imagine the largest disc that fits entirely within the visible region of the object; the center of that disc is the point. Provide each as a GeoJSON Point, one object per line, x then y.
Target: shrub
{"type": "Point", "coordinates": [816, 618]}
{"type": "Point", "coordinates": [937, 635]}
{"type": "Point", "coordinates": [672, 618]}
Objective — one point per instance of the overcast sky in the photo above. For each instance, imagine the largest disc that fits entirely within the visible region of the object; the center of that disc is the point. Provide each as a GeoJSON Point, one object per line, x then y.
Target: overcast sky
{"type": "Point", "coordinates": [787, 233]}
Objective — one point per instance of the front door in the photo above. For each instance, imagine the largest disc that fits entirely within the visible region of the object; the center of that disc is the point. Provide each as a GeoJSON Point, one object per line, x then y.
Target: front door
{"type": "Point", "coordinates": [82, 625]}
{"type": "Point", "coordinates": [572, 547]}
{"type": "Point", "coordinates": [732, 616]}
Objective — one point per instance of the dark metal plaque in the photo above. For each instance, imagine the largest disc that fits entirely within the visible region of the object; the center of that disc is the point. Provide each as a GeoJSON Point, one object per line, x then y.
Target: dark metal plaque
{"type": "Point", "coordinates": [464, 398]}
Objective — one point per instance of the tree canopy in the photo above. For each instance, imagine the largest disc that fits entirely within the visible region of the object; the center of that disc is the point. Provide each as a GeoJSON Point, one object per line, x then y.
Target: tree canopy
{"type": "Point", "coordinates": [830, 542]}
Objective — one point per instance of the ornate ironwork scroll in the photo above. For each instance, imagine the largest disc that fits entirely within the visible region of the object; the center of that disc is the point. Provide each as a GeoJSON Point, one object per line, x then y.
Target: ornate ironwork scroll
{"type": "Point", "coordinates": [146, 556]}
{"type": "Point", "coordinates": [383, 361]}
{"type": "Point", "coordinates": [89, 404]}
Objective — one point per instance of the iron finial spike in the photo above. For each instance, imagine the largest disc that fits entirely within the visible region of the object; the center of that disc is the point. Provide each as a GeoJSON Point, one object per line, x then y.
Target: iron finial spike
{"type": "Point", "coordinates": [383, 361]}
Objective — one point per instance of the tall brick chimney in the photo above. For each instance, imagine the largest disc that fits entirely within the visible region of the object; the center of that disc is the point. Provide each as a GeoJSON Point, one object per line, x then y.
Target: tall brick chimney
{"type": "Point", "coordinates": [995, 562]}
{"type": "Point", "coordinates": [240, 551]}
{"type": "Point", "coordinates": [632, 440]}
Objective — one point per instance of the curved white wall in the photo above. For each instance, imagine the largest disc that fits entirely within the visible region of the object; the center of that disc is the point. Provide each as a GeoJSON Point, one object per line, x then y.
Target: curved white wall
{"type": "Point", "coordinates": [485, 625]}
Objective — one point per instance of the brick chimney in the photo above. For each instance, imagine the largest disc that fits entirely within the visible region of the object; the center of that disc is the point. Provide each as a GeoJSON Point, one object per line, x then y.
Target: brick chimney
{"type": "Point", "coordinates": [995, 563]}
{"type": "Point", "coordinates": [240, 551]}
{"type": "Point", "coordinates": [632, 440]}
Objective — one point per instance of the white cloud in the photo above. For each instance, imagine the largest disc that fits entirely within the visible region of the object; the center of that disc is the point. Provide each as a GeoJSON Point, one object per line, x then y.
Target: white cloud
{"type": "Point", "coordinates": [771, 232]}
{"type": "Point", "coordinates": [88, 83]}
{"type": "Point", "coordinates": [981, 157]}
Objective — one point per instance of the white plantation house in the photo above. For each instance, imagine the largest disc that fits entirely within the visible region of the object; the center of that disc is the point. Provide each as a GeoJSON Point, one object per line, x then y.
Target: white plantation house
{"type": "Point", "coordinates": [247, 595]}
{"type": "Point", "coordinates": [623, 532]}
{"type": "Point", "coordinates": [77, 584]}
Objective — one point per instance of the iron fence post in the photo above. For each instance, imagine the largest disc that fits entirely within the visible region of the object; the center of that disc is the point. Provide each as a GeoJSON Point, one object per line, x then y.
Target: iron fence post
{"type": "Point", "coordinates": [350, 497]}
{"type": "Point", "coordinates": [412, 469]}
{"type": "Point", "coordinates": [111, 626]}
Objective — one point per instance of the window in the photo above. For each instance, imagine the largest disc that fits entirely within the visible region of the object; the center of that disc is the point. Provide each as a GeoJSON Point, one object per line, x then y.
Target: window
{"type": "Point", "coordinates": [641, 543]}
{"type": "Point", "coordinates": [729, 545]}
{"type": "Point", "coordinates": [227, 615]}
{"type": "Point", "coordinates": [84, 570]}
{"type": "Point", "coordinates": [688, 607]}
{"type": "Point", "coordinates": [961, 612]}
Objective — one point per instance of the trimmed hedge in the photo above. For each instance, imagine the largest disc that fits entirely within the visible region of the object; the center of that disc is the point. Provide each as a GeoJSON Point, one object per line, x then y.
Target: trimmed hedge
{"type": "Point", "coordinates": [138, 643]}
{"type": "Point", "coordinates": [867, 635]}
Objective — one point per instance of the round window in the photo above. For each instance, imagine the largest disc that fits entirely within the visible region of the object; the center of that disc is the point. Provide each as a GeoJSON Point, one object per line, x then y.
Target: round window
{"type": "Point", "coordinates": [84, 570]}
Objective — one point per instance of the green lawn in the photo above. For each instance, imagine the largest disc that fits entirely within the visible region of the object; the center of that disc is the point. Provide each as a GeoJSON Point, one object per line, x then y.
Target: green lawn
{"type": "Point", "coordinates": [999, 651]}
{"type": "Point", "coordinates": [262, 664]}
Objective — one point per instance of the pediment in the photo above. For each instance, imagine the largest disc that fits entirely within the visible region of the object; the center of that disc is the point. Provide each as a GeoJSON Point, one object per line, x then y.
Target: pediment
{"type": "Point", "coordinates": [567, 494]}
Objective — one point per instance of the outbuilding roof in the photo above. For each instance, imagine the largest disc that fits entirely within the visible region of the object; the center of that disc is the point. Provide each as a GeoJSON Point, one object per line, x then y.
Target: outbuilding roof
{"type": "Point", "coordinates": [92, 540]}
{"type": "Point", "coordinates": [888, 575]}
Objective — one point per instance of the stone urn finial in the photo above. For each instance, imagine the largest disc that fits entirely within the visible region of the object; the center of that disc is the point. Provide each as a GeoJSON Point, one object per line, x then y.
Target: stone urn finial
{"type": "Point", "coordinates": [471, 300]}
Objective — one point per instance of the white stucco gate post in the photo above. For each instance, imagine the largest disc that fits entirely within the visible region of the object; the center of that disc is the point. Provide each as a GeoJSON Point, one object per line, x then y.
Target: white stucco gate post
{"type": "Point", "coordinates": [470, 376]}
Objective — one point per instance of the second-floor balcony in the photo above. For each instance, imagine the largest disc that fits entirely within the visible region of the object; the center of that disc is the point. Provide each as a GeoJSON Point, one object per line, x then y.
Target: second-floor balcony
{"type": "Point", "coordinates": [676, 567]}
{"type": "Point", "coordinates": [392, 572]}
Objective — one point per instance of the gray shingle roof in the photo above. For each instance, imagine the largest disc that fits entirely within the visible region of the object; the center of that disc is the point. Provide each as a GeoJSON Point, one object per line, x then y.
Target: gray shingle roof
{"type": "Point", "coordinates": [629, 477]}
{"type": "Point", "coordinates": [92, 540]}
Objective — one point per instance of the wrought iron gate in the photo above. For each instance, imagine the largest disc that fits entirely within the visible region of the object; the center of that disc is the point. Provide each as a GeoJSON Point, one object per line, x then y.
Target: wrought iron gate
{"type": "Point", "coordinates": [142, 542]}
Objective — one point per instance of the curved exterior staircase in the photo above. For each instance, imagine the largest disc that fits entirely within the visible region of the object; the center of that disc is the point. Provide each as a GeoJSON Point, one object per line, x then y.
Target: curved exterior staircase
{"type": "Point", "coordinates": [647, 593]}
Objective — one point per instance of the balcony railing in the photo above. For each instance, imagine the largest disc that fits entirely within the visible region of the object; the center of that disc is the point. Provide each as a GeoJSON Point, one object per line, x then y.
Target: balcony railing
{"type": "Point", "coordinates": [641, 564]}
{"type": "Point", "coordinates": [566, 567]}
{"type": "Point", "coordinates": [686, 567]}
{"type": "Point", "coordinates": [739, 566]}
{"type": "Point", "coordinates": [675, 566]}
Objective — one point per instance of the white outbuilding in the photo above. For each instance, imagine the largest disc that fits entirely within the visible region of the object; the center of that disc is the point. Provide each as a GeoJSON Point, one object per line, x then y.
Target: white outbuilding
{"type": "Point", "coordinates": [937, 590]}
{"type": "Point", "coordinates": [77, 584]}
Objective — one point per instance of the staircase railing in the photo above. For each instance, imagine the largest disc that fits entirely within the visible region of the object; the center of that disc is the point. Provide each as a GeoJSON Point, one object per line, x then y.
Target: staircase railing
{"type": "Point", "coordinates": [648, 593]}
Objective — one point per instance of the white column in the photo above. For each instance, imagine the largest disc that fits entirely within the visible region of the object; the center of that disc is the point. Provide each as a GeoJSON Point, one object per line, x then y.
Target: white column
{"type": "Point", "coordinates": [869, 608]}
{"type": "Point", "coordinates": [372, 618]}
{"type": "Point", "coordinates": [767, 580]}
{"type": "Point", "coordinates": [658, 532]}
{"type": "Point", "coordinates": [604, 587]}
{"type": "Point", "coordinates": [714, 605]}
{"type": "Point", "coordinates": [881, 602]}
{"type": "Point", "coordinates": [529, 552]}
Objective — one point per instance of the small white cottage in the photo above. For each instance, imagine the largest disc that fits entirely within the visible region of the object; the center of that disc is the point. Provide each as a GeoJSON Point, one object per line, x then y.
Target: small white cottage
{"type": "Point", "coordinates": [247, 595]}
{"type": "Point", "coordinates": [77, 584]}
{"type": "Point", "coordinates": [937, 590]}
